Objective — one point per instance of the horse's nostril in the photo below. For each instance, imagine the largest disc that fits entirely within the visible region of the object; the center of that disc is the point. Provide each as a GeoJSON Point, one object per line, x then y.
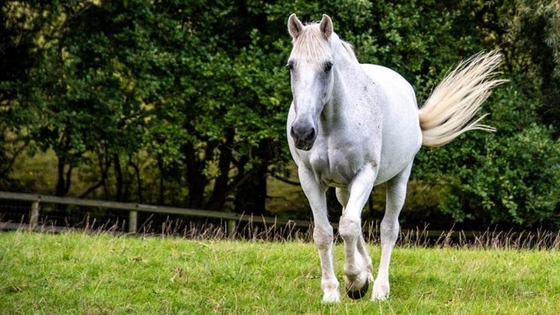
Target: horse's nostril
{"type": "Point", "coordinates": [311, 135]}
{"type": "Point", "coordinates": [293, 132]}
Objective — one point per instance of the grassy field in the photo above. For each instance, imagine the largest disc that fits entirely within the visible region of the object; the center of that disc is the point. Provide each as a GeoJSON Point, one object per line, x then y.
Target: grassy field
{"type": "Point", "coordinates": [77, 273]}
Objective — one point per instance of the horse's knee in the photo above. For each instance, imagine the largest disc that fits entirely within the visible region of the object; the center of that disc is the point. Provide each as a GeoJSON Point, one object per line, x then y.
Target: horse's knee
{"type": "Point", "coordinates": [323, 237]}
{"type": "Point", "coordinates": [349, 227]}
{"type": "Point", "coordinates": [389, 230]}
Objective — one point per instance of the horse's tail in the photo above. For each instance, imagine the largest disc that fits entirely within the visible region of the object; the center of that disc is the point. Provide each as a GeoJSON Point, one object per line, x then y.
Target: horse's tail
{"type": "Point", "coordinates": [449, 111]}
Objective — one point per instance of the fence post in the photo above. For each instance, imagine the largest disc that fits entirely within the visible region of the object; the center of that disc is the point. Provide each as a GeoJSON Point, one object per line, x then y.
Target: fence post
{"type": "Point", "coordinates": [132, 221]}
{"type": "Point", "coordinates": [34, 215]}
{"type": "Point", "coordinates": [231, 228]}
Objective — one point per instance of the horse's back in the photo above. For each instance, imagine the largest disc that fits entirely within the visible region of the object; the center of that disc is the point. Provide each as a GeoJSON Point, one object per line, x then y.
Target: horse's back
{"type": "Point", "coordinates": [389, 78]}
{"type": "Point", "coordinates": [402, 136]}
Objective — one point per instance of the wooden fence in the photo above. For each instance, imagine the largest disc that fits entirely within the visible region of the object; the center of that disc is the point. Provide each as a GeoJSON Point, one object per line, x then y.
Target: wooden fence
{"type": "Point", "coordinates": [232, 219]}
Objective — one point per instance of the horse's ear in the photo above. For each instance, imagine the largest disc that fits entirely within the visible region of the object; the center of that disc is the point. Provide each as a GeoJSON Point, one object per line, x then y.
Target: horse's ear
{"type": "Point", "coordinates": [294, 26]}
{"type": "Point", "coordinates": [326, 26]}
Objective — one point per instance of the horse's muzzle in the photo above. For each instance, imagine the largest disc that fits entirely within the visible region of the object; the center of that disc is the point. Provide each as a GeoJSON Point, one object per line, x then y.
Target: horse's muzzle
{"type": "Point", "coordinates": [303, 136]}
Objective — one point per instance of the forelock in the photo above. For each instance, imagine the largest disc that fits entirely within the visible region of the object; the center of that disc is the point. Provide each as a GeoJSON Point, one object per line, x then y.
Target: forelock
{"type": "Point", "coordinates": [310, 45]}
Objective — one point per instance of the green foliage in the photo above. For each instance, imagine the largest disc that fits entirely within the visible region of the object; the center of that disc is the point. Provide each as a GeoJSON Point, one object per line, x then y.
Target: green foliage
{"type": "Point", "coordinates": [119, 80]}
{"type": "Point", "coordinates": [184, 103]}
{"type": "Point", "coordinates": [420, 40]}
{"type": "Point", "coordinates": [535, 30]}
{"type": "Point", "coordinates": [18, 55]}
{"type": "Point", "coordinates": [518, 179]}
{"type": "Point", "coordinates": [510, 178]}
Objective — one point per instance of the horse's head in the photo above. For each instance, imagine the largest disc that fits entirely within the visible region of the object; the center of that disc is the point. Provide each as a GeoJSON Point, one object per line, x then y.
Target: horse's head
{"type": "Point", "coordinates": [310, 63]}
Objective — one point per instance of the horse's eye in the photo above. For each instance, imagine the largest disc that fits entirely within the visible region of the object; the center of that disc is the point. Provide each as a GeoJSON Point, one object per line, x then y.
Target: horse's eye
{"type": "Point", "coordinates": [290, 66]}
{"type": "Point", "coordinates": [328, 66]}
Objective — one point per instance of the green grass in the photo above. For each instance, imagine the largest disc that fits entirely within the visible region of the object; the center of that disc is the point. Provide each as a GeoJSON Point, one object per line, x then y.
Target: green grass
{"type": "Point", "coordinates": [77, 273]}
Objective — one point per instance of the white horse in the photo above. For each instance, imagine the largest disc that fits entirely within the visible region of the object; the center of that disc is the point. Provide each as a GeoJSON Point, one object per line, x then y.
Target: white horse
{"type": "Point", "coordinates": [353, 126]}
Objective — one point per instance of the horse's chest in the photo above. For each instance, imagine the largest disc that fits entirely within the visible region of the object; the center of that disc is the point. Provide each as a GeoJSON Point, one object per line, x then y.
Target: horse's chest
{"type": "Point", "coordinates": [335, 166]}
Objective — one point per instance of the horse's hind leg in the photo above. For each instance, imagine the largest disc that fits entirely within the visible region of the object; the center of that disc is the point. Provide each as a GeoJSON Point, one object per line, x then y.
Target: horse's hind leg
{"type": "Point", "coordinates": [396, 194]}
{"type": "Point", "coordinates": [357, 266]}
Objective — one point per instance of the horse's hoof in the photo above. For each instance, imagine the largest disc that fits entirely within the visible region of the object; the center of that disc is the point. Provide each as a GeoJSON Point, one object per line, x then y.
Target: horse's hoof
{"type": "Point", "coordinates": [358, 294]}
{"type": "Point", "coordinates": [380, 292]}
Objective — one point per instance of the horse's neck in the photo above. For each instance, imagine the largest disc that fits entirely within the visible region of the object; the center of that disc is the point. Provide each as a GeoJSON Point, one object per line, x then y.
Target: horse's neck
{"type": "Point", "coordinates": [350, 88]}
{"type": "Point", "coordinates": [337, 111]}
{"type": "Point", "coordinates": [350, 82]}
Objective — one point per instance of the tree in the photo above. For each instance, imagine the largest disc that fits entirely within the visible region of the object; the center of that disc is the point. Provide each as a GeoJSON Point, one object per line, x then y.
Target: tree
{"type": "Point", "coordinates": [535, 31]}
{"type": "Point", "coordinates": [510, 178]}
{"type": "Point", "coordinates": [19, 54]}
{"type": "Point", "coordinates": [182, 103]}
{"type": "Point", "coordinates": [81, 88]}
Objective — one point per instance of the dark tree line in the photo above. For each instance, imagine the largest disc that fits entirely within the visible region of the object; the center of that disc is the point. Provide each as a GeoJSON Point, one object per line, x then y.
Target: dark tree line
{"type": "Point", "coordinates": [184, 102]}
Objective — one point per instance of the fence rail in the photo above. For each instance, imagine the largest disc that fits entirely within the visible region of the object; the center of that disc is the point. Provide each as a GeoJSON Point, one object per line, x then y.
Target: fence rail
{"type": "Point", "coordinates": [232, 219]}
{"type": "Point", "coordinates": [33, 213]}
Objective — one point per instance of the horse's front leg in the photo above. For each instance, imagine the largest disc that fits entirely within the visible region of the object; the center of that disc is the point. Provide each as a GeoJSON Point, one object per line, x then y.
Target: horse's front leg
{"type": "Point", "coordinates": [322, 233]}
{"type": "Point", "coordinates": [357, 266]}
